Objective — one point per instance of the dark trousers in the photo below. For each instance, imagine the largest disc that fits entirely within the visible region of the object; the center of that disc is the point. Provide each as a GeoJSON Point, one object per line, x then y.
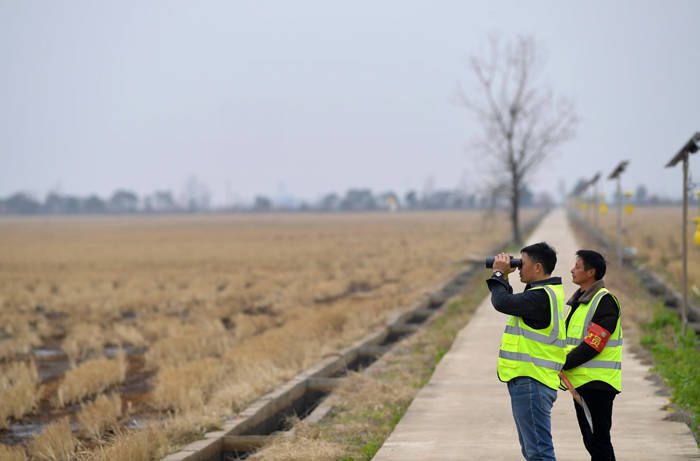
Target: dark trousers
{"type": "Point", "coordinates": [600, 404]}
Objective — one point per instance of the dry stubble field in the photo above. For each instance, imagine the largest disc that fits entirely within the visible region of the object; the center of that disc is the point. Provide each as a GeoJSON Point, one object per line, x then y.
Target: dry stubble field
{"type": "Point", "coordinates": [656, 234]}
{"type": "Point", "coordinates": [132, 335]}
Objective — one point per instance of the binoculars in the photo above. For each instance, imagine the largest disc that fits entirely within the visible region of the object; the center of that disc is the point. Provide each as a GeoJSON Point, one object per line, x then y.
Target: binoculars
{"type": "Point", "coordinates": [514, 262]}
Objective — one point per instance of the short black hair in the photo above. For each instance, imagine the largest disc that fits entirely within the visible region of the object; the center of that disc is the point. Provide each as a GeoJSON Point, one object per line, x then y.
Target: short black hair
{"type": "Point", "coordinates": [542, 253]}
{"type": "Point", "coordinates": [592, 260]}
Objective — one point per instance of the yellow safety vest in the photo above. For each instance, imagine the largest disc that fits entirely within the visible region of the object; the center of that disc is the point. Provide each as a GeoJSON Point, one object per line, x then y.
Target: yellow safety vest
{"type": "Point", "coordinates": [539, 354]}
{"type": "Point", "coordinates": [607, 365]}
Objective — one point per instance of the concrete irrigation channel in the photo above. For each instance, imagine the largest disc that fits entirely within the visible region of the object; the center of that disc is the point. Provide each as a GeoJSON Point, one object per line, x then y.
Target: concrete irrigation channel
{"type": "Point", "coordinates": [306, 394]}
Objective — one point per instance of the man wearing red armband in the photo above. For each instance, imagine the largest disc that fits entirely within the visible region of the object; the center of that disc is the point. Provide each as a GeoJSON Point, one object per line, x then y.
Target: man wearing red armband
{"type": "Point", "coordinates": [594, 351]}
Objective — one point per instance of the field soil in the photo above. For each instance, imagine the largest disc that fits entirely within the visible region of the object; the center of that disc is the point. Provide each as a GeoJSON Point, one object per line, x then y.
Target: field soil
{"type": "Point", "coordinates": [655, 234]}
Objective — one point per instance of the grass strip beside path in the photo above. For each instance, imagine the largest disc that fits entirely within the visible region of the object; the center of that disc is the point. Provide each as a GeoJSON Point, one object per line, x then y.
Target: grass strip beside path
{"type": "Point", "coordinates": [677, 360]}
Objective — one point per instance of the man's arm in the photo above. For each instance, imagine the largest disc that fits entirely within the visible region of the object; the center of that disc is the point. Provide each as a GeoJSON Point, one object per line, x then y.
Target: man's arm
{"type": "Point", "coordinates": [528, 305]}
{"type": "Point", "coordinates": [605, 318]}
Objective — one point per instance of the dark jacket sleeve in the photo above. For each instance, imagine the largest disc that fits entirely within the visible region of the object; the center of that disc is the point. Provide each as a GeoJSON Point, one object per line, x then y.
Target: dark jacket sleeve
{"type": "Point", "coordinates": [606, 316]}
{"type": "Point", "coordinates": [531, 305]}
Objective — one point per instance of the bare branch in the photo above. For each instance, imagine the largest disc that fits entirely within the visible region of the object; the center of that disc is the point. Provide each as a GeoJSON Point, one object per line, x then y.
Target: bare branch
{"type": "Point", "coordinates": [521, 123]}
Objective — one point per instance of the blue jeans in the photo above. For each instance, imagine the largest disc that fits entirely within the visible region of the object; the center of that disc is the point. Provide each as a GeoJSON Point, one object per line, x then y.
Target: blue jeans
{"type": "Point", "coordinates": [532, 405]}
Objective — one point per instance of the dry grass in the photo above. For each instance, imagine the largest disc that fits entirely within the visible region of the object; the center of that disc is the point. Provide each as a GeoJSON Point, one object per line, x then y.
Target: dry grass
{"type": "Point", "coordinates": [8, 453]}
{"type": "Point", "coordinates": [111, 271]}
{"type": "Point", "coordinates": [656, 234]}
{"type": "Point", "coordinates": [367, 405]}
{"type": "Point", "coordinates": [374, 393]}
{"type": "Point", "coordinates": [95, 417]}
{"type": "Point", "coordinates": [247, 378]}
{"type": "Point", "coordinates": [185, 427]}
{"type": "Point", "coordinates": [154, 327]}
{"type": "Point", "coordinates": [54, 443]}
{"type": "Point", "coordinates": [18, 391]}
{"type": "Point", "coordinates": [186, 387]}
{"type": "Point", "coordinates": [263, 362]}
{"type": "Point", "coordinates": [17, 336]}
{"type": "Point", "coordinates": [188, 342]}
{"type": "Point", "coordinates": [91, 378]}
{"type": "Point", "coordinates": [82, 340]}
{"type": "Point", "coordinates": [129, 445]}
{"type": "Point", "coordinates": [637, 305]}
{"type": "Point", "coordinates": [305, 444]}
{"type": "Point", "coordinates": [255, 298]}
{"type": "Point", "coordinates": [127, 335]}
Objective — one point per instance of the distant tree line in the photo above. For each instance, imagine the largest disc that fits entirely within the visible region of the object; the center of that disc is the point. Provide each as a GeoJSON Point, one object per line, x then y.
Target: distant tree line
{"type": "Point", "coordinates": [197, 200]}
{"type": "Point", "coordinates": [121, 201]}
{"type": "Point", "coordinates": [366, 200]}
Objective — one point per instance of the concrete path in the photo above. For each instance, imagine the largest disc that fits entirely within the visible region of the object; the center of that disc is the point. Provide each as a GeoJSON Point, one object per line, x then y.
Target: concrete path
{"type": "Point", "coordinates": [463, 413]}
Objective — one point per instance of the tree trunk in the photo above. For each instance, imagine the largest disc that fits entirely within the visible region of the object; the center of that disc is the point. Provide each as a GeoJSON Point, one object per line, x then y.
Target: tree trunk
{"type": "Point", "coordinates": [515, 199]}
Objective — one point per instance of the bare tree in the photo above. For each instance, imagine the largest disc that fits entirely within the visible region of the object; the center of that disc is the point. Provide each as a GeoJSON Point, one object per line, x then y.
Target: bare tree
{"type": "Point", "coordinates": [195, 195]}
{"type": "Point", "coordinates": [521, 120]}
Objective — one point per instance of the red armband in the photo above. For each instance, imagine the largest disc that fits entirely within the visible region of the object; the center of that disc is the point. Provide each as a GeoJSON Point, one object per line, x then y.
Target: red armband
{"type": "Point", "coordinates": [597, 337]}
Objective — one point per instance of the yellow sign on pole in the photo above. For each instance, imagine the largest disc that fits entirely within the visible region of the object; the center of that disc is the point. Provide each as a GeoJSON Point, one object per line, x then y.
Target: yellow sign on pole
{"type": "Point", "coordinates": [603, 208]}
{"type": "Point", "coordinates": [629, 208]}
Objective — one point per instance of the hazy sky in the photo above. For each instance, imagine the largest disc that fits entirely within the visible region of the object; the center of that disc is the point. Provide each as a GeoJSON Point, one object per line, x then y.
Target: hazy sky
{"type": "Point", "coordinates": [309, 97]}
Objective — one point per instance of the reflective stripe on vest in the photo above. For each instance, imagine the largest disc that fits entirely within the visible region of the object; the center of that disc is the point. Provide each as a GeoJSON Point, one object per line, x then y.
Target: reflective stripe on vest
{"type": "Point", "coordinates": [577, 341]}
{"type": "Point", "coordinates": [523, 357]}
{"type": "Point", "coordinates": [602, 364]}
{"type": "Point", "coordinates": [536, 353]}
{"type": "Point", "coordinates": [600, 367]}
{"type": "Point", "coordinates": [552, 338]}
{"type": "Point", "coordinates": [589, 315]}
{"type": "Point", "coordinates": [529, 334]}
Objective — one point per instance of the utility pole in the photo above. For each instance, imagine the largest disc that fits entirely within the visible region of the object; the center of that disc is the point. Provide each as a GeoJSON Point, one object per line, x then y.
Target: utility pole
{"type": "Point", "coordinates": [594, 183]}
{"type": "Point", "coordinates": [619, 169]}
{"type": "Point", "coordinates": [688, 148]}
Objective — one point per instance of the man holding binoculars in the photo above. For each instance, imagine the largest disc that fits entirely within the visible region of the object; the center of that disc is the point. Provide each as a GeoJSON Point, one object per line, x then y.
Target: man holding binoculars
{"type": "Point", "coordinates": [533, 345]}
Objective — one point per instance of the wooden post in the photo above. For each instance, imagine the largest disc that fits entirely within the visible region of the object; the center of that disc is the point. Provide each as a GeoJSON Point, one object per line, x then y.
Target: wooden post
{"type": "Point", "coordinates": [595, 204]}
{"type": "Point", "coordinates": [691, 147]}
{"type": "Point", "coordinates": [619, 222]}
{"type": "Point", "coordinates": [616, 175]}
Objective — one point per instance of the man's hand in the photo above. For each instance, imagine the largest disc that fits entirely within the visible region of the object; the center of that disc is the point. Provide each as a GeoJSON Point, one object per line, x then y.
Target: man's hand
{"type": "Point", "coordinates": [502, 263]}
